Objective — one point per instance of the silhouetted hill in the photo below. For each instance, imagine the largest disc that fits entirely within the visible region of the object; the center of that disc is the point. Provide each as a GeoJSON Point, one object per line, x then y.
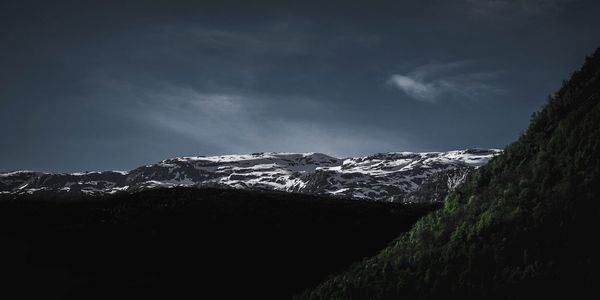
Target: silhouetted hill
{"type": "Point", "coordinates": [523, 226]}
{"type": "Point", "coordinates": [186, 243]}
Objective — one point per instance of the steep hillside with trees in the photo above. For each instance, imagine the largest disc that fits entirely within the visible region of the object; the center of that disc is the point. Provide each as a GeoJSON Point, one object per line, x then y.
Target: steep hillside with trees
{"type": "Point", "coordinates": [525, 225]}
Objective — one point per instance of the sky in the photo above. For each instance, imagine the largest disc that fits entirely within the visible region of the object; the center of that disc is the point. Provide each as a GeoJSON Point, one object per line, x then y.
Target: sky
{"type": "Point", "coordinates": [101, 85]}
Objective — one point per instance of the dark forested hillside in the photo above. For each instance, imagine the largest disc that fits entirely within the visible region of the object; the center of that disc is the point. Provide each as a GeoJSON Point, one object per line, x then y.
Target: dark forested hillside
{"type": "Point", "coordinates": [525, 225]}
{"type": "Point", "coordinates": [187, 243]}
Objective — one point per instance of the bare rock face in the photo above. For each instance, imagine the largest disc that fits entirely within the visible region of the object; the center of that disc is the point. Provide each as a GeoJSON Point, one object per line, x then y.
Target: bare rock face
{"type": "Point", "coordinates": [396, 176]}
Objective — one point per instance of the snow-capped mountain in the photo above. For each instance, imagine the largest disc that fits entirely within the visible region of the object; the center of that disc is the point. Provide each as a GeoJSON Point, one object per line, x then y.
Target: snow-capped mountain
{"type": "Point", "coordinates": [397, 176]}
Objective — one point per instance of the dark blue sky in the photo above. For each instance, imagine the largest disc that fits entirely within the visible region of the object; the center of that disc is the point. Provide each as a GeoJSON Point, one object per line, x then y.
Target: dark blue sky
{"type": "Point", "coordinates": [116, 84]}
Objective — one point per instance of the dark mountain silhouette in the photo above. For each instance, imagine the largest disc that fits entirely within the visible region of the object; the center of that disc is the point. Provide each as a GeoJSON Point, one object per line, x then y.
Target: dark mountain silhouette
{"type": "Point", "coordinates": [187, 242]}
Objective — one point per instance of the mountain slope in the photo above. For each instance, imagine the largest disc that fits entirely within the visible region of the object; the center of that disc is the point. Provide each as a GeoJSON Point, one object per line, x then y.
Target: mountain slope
{"type": "Point", "coordinates": [525, 225]}
{"type": "Point", "coordinates": [386, 176]}
{"type": "Point", "coordinates": [187, 243]}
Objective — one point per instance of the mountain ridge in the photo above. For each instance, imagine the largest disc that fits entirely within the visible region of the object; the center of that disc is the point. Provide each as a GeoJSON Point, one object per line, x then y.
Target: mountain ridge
{"type": "Point", "coordinates": [391, 176]}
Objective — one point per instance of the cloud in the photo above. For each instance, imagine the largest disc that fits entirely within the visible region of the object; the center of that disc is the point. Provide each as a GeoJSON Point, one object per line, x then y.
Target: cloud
{"type": "Point", "coordinates": [234, 121]}
{"type": "Point", "coordinates": [414, 88]}
{"type": "Point", "coordinates": [431, 82]}
{"type": "Point", "coordinates": [513, 8]}
{"type": "Point", "coordinates": [275, 39]}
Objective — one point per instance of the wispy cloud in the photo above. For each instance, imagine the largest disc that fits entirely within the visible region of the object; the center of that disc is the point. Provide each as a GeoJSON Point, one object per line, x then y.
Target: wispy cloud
{"type": "Point", "coordinates": [431, 82]}
{"type": "Point", "coordinates": [237, 123]}
{"type": "Point", "coordinates": [513, 8]}
{"type": "Point", "coordinates": [275, 39]}
{"type": "Point", "coordinates": [231, 121]}
{"type": "Point", "coordinates": [415, 89]}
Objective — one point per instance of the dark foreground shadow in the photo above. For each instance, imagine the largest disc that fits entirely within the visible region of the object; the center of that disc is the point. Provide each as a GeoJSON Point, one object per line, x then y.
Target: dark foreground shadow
{"type": "Point", "coordinates": [188, 243]}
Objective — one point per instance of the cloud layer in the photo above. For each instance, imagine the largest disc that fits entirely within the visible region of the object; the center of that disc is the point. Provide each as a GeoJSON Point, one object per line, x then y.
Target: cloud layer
{"type": "Point", "coordinates": [432, 82]}
{"type": "Point", "coordinates": [245, 122]}
{"type": "Point", "coordinates": [172, 78]}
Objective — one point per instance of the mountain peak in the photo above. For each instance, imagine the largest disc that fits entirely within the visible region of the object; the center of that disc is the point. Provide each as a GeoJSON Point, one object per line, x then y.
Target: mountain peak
{"type": "Point", "coordinates": [394, 176]}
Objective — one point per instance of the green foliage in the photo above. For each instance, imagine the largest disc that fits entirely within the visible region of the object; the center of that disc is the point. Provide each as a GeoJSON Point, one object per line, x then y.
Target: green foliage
{"type": "Point", "coordinates": [522, 226]}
